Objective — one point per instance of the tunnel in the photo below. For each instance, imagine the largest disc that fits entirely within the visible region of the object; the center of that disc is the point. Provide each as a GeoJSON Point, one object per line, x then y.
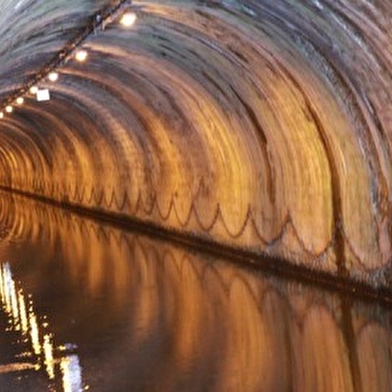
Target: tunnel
{"type": "Point", "coordinates": [262, 126]}
{"type": "Point", "coordinates": [195, 195]}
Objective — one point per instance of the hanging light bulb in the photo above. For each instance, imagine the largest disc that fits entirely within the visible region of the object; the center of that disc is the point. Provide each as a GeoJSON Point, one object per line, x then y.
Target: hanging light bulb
{"type": "Point", "coordinates": [81, 55]}
{"type": "Point", "coordinates": [9, 109]}
{"type": "Point", "coordinates": [53, 76]}
{"type": "Point", "coordinates": [33, 90]}
{"type": "Point", "coordinates": [128, 19]}
{"type": "Point", "coordinates": [20, 101]}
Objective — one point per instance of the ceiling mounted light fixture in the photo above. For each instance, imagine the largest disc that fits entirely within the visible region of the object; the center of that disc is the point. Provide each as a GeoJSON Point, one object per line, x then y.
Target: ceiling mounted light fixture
{"type": "Point", "coordinates": [128, 19]}
{"type": "Point", "coordinates": [81, 55]}
{"type": "Point", "coordinates": [43, 95]}
{"type": "Point", "coordinates": [20, 100]}
{"type": "Point", "coordinates": [53, 76]}
{"type": "Point", "coordinates": [1, 115]}
{"type": "Point", "coordinates": [120, 12]}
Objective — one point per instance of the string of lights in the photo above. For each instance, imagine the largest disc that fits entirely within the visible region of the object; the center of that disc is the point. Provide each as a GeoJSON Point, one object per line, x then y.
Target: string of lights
{"type": "Point", "coordinates": [122, 12]}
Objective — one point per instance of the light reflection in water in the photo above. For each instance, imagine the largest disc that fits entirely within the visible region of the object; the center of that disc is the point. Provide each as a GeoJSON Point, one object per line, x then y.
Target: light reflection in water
{"type": "Point", "coordinates": [148, 315]}
{"type": "Point", "coordinates": [70, 369]}
{"type": "Point", "coordinates": [23, 312]}
{"type": "Point", "coordinates": [15, 303]}
{"type": "Point", "coordinates": [48, 354]}
{"type": "Point", "coordinates": [34, 333]}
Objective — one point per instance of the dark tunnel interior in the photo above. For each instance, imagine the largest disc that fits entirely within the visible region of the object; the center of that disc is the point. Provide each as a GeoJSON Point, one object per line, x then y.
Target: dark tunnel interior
{"type": "Point", "coordinates": [195, 195]}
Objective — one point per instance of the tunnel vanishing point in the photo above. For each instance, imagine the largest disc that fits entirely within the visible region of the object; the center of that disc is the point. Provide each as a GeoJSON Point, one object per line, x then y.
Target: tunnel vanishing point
{"type": "Point", "coordinates": [261, 126]}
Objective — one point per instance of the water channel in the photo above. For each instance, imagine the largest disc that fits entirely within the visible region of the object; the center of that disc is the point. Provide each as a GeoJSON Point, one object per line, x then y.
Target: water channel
{"type": "Point", "coordinates": [87, 306]}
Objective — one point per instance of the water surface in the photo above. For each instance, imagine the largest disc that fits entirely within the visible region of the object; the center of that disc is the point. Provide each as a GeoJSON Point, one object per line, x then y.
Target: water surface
{"type": "Point", "coordinates": [85, 306]}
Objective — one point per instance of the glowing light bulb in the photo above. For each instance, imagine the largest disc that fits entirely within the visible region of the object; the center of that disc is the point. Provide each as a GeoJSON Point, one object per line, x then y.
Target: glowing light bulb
{"type": "Point", "coordinates": [53, 76]}
{"type": "Point", "coordinates": [43, 95]}
{"type": "Point", "coordinates": [9, 109]}
{"type": "Point", "coordinates": [1, 115]}
{"type": "Point", "coordinates": [33, 90]}
{"type": "Point", "coordinates": [20, 101]}
{"type": "Point", "coordinates": [81, 55]}
{"type": "Point", "coordinates": [128, 19]}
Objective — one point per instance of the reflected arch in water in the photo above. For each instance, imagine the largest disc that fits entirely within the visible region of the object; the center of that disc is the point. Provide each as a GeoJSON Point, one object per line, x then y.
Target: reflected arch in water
{"type": "Point", "coordinates": [150, 314]}
{"type": "Point", "coordinates": [263, 126]}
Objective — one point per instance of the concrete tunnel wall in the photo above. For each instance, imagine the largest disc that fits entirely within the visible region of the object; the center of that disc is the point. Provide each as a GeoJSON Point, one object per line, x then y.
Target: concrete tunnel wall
{"type": "Point", "coordinates": [264, 125]}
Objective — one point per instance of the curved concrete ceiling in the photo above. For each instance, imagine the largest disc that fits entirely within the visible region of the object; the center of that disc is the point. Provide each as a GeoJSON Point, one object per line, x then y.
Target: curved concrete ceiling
{"type": "Point", "coordinates": [264, 125]}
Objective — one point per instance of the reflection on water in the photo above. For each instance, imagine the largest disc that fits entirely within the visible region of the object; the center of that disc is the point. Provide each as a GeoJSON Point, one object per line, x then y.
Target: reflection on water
{"type": "Point", "coordinates": [89, 306]}
{"type": "Point", "coordinates": [35, 335]}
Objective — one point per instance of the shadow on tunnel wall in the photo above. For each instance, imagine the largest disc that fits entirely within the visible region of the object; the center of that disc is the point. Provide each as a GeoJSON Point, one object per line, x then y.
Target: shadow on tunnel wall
{"type": "Point", "coordinates": [151, 315]}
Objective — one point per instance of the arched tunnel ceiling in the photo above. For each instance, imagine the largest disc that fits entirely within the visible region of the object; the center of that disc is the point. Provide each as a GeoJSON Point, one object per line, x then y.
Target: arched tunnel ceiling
{"type": "Point", "coordinates": [262, 124]}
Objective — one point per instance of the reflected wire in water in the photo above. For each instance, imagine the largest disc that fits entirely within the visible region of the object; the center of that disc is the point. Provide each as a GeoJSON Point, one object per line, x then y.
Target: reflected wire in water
{"type": "Point", "coordinates": [40, 341]}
